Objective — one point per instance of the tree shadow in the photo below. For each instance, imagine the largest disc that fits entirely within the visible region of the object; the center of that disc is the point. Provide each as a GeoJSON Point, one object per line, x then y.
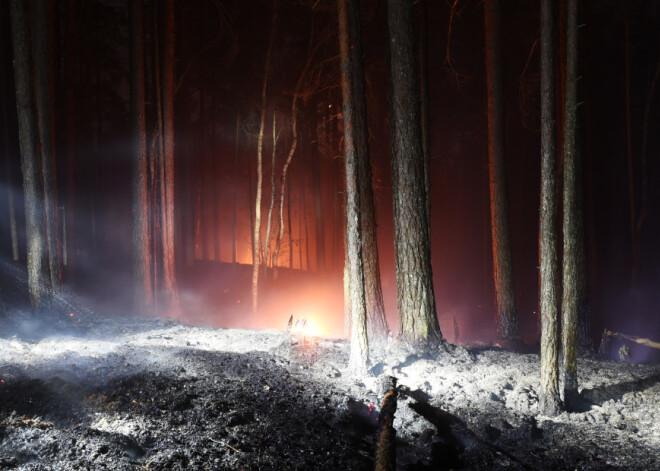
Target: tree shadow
{"type": "Point", "coordinates": [599, 395]}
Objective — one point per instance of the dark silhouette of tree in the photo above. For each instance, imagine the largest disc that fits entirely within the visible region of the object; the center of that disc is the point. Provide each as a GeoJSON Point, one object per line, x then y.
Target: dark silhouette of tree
{"type": "Point", "coordinates": [30, 162]}
{"type": "Point", "coordinates": [143, 296]}
{"type": "Point", "coordinates": [549, 401]}
{"type": "Point", "coordinates": [569, 305]}
{"type": "Point", "coordinates": [42, 18]}
{"type": "Point", "coordinates": [355, 296]}
{"type": "Point", "coordinates": [506, 317]}
{"type": "Point", "coordinates": [418, 322]}
{"type": "Point", "coordinates": [169, 271]}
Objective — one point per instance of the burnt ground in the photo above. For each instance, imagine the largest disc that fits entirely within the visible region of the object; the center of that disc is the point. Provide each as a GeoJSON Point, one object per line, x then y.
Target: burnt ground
{"type": "Point", "coordinates": [92, 391]}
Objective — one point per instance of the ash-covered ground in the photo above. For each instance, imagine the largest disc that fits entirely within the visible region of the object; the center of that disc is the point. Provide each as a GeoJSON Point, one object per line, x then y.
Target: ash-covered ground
{"type": "Point", "coordinates": [94, 392]}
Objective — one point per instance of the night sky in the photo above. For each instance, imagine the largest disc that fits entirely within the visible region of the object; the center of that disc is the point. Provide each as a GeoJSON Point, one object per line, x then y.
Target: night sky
{"type": "Point", "coordinates": [220, 57]}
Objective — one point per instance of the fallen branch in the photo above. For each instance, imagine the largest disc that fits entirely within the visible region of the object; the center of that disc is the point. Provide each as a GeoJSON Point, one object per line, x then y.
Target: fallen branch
{"type": "Point", "coordinates": [386, 451]}
{"type": "Point", "coordinates": [640, 340]}
{"type": "Point", "coordinates": [225, 444]}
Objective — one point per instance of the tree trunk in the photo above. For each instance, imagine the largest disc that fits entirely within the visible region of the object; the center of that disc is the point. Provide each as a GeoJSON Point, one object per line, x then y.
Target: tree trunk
{"type": "Point", "coordinates": [143, 295]}
{"type": "Point", "coordinates": [506, 317]}
{"type": "Point", "coordinates": [418, 321]}
{"type": "Point", "coordinates": [272, 194]}
{"type": "Point", "coordinates": [11, 206]}
{"type": "Point", "coordinates": [424, 101]}
{"type": "Point", "coordinates": [169, 269]}
{"type": "Point", "coordinates": [30, 162]}
{"type": "Point", "coordinates": [42, 15]}
{"type": "Point", "coordinates": [549, 402]}
{"type": "Point", "coordinates": [235, 198]}
{"type": "Point", "coordinates": [376, 323]}
{"type": "Point", "coordinates": [256, 239]}
{"type": "Point", "coordinates": [348, 37]}
{"type": "Point", "coordinates": [319, 225]}
{"type": "Point", "coordinates": [569, 305]}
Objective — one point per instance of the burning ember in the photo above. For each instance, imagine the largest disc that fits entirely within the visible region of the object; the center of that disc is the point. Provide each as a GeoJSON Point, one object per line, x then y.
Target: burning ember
{"type": "Point", "coordinates": [301, 327]}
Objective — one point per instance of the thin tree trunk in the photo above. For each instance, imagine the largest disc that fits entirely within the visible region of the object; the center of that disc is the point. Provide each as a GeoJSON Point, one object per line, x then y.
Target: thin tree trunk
{"type": "Point", "coordinates": [506, 317]}
{"type": "Point", "coordinates": [141, 239]}
{"type": "Point", "coordinates": [169, 269]}
{"type": "Point", "coordinates": [69, 226]}
{"type": "Point", "coordinates": [42, 15]}
{"type": "Point", "coordinates": [549, 402]}
{"type": "Point", "coordinates": [418, 321]}
{"type": "Point", "coordinates": [256, 239]}
{"type": "Point", "coordinates": [235, 197]}
{"type": "Point", "coordinates": [290, 228]}
{"type": "Point", "coordinates": [294, 143]}
{"type": "Point", "coordinates": [631, 170]}
{"type": "Point", "coordinates": [272, 194]}
{"type": "Point", "coordinates": [30, 162]}
{"type": "Point", "coordinates": [569, 306]}
{"type": "Point", "coordinates": [11, 206]}
{"type": "Point", "coordinates": [359, 355]}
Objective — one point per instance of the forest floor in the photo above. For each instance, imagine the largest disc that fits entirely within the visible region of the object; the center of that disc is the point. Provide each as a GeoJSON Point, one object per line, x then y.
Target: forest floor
{"type": "Point", "coordinates": [96, 392]}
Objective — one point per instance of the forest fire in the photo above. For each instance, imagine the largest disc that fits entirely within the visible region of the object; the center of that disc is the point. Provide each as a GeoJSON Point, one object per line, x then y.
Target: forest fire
{"type": "Point", "coordinates": [231, 230]}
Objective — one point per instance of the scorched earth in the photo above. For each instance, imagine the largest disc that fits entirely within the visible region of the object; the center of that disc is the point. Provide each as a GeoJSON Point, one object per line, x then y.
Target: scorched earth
{"type": "Point", "coordinates": [92, 392]}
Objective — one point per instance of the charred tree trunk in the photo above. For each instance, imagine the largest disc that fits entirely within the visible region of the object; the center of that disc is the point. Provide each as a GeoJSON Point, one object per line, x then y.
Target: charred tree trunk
{"type": "Point", "coordinates": [256, 236]}
{"type": "Point", "coordinates": [549, 402]}
{"type": "Point", "coordinates": [506, 317]}
{"type": "Point", "coordinates": [30, 162]}
{"type": "Point", "coordinates": [169, 269]}
{"type": "Point", "coordinates": [425, 110]}
{"type": "Point", "coordinates": [569, 305]}
{"type": "Point", "coordinates": [359, 355]}
{"type": "Point", "coordinates": [143, 296]}
{"type": "Point", "coordinates": [418, 321]}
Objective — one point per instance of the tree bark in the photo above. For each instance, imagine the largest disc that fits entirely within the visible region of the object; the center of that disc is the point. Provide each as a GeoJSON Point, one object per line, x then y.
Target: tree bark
{"type": "Point", "coordinates": [569, 305]}
{"type": "Point", "coordinates": [359, 355]}
{"type": "Point", "coordinates": [549, 402]}
{"type": "Point", "coordinates": [143, 295]}
{"type": "Point", "coordinates": [506, 317]}
{"type": "Point", "coordinates": [418, 322]}
{"type": "Point", "coordinates": [256, 236]}
{"type": "Point", "coordinates": [30, 162]}
{"type": "Point", "coordinates": [424, 101]}
{"type": "Point", "coordinates": [376, 323]}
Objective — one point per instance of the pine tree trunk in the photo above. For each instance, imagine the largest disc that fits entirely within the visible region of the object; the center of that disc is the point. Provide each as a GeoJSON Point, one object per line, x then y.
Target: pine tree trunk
{"type": "Point", "coordinates": [143, 295]}
{"type": "Point", "coordinates": [506, 317]}
{"type": "Point", "coordinates": [359, 355]}
{"type": "Point", "coordinates": [169, 269]}
{"type": "Point", "coordinates": [549, 402]}
{"type": "Point", "coordinates": [44, 67]}
{"type": "Point", "coordinates": [376, 323]}
{"type": "Point", "coordinates": [569, 305]}
{"type": "Point", "coordinates": [418, 322]}
{"type": "Point", "coordinates": [30, 162]}
{"type": "Point", "coordinates": [256, 236]}
{"type": "Point", "coordinates": [424, 100]}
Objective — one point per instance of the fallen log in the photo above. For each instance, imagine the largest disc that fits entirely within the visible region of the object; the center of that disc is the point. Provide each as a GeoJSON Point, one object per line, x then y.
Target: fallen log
{"type": "Point", "coordinates": [386, 451]}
